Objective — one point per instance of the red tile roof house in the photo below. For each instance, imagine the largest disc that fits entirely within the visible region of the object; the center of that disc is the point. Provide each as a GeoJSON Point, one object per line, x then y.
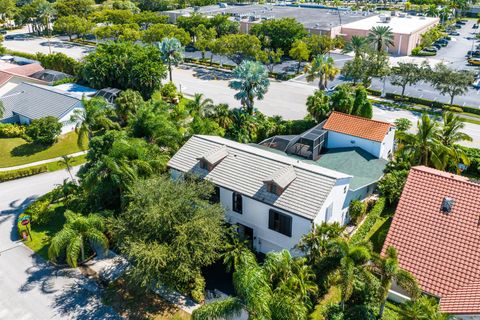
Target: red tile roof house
{"type": "Point", "coordinates": [345, 130]}
{"type": "Point", "coordinates": [436, 231]}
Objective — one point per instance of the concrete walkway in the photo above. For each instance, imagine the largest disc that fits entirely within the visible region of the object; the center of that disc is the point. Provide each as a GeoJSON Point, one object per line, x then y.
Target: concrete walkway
{"type": "Point", "coordinates": [31, 164]}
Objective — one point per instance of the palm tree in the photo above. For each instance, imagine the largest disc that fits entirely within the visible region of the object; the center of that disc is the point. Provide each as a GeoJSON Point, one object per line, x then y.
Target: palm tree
{"type": "Point", "coordinates": [357, 45]}
{"type": "Point", "coordinates": [352, 263]}
{"type": "Point", "coordinates": [381, 37]}
{"type": "Point", "coordinates": [68, 162]}
{"type": "Point", "coordinates": [322, 68]}
{"type": "Point", "coordinates": [78, 231]}
{"type": "Point", "coordinates": [94, 116]}
{"type": "Point", "coordinates": [388, 270]}
{"type": "Point", "coordinates": [171, 52]}
{"type": "Point", "coordinates": [251, 82]}
{"type": "Point", "coordinates": [253, 295]}
{"type": "Point", "coordinates": [449, 134]}
{"type": "Point", "coordinates": [424, 145]}
{"type": "Point", "coordinates": [199, 105]}
{"type": "Point", "coordinates": [316, 243]}
{"type": "Point", "coordinates": [221, 114]}
{"type": "Point", "coordinates": [423, 308]}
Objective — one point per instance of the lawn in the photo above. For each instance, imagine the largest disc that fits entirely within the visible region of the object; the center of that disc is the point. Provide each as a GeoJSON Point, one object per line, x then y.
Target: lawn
{"type": "Point", "coordinates": [17, 151]}
{"type": "Point", "coordinates": [41, 234]}
{"type": "Point", "coordinates": [139, 305]}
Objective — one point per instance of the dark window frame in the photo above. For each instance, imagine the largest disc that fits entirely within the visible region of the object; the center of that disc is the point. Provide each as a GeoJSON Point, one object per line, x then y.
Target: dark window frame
{"type": "Point", "coordinates": [237, 202]}
{"type": "Point", "coordinates": [215, 196]}
{"type": "Point", "coordinates": [280, 222]}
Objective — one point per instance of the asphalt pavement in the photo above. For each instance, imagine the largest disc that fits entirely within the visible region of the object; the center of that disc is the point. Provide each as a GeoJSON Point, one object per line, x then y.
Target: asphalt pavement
{"type": "Point", "coordinates": [31, 288]}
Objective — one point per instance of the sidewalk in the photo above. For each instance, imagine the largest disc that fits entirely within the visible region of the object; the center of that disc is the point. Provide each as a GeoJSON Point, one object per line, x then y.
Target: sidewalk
{"type": "Point", "coordinates": [31, 164]}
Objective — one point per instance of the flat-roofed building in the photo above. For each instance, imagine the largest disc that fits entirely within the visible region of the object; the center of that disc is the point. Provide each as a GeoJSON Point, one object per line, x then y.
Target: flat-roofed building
{"type": "Point", "coordinates": [407, 30]}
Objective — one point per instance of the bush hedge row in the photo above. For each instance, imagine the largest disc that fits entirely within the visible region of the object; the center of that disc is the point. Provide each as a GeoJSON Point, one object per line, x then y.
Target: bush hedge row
{"type": "Point", "coordinates": [20, 173]}
{"type": "Point", "coordinates": [10, 130]}
{"type": "Point", "coordinates": [426, 102]}
{"type": "Point", "coordinates": [372, 217]}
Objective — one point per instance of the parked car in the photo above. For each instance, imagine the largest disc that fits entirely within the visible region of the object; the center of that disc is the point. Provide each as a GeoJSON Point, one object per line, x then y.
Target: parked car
{"type": "Point", "coordinates": [3, 31]}
{"type": "Point", "coordinates": [475, 26]}
{"type": "Point", "coordinates": [430, 49]}
{"type": "Point", "coordinates": [442, 42]}
{"type": "Point", "coordinates": [474, 61]}
{"type": "Point", "coordinates": [454, 33]}
{"type": "Point", "coordinates": [436, 45]}
{"type": "Point", "coordinates": [475, 53]}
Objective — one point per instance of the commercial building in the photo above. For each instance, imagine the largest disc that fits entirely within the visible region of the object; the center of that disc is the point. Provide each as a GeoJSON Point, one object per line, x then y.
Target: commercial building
{"type": "Point", "coordinates": [323, 20]}
{"type": "Point", "coordinates": [316, 19]}
{"type": "Point", "coordinates": [407, 30]}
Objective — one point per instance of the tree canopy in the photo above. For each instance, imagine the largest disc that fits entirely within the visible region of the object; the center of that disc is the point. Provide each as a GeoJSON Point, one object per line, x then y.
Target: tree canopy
{"type": "Point", "coordinates": [124, 66]}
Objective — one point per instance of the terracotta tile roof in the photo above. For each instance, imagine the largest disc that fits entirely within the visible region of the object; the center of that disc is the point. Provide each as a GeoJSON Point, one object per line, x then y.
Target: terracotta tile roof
{"type": "Point", "coordinates": [26, 70]}
{"type": "Point", "coordinates": [464, 300]}
{"type": "Point", "coordinates": [4, 77]}
{"type": "Point", "coordinates": [357, 126]}
{"type": "Point", "coordinates": [442, 250]}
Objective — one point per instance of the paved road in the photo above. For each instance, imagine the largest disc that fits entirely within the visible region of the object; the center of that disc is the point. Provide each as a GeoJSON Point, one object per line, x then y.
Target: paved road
{"type": "Point", "coordinates": [35, 44]}
{"type": "Point", "coordinates": [283, 98]}
{"type": "Point", "coordinates": [30, 288]}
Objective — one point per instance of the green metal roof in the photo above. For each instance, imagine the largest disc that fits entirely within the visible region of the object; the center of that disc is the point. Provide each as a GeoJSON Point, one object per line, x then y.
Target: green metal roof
{"type": "Point", "coordinates": [365, 168]}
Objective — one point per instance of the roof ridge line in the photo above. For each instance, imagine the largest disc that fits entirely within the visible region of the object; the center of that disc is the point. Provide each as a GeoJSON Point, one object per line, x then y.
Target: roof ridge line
{"type": "Point", "coordinates": [361, 118]}
{"type": "Point", "coordinates": [286, 162]}
{"type": "Point", "coordinates": [446, 175]}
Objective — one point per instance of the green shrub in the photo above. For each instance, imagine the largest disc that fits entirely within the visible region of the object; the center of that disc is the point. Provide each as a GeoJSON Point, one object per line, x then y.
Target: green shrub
{"type": "Point", "coordinates": [20, 173]}
{"type": "Point", "coordinates": [60, 62]}
{"type": "Point", "coordinates": [44, 130]}
{"type": "Point", "coordinates": [169, 92]}
{"type": "Point", "coordinates": [356, 210]}
{"type": "Point", "coordinates": [372, 217]}
{"type": "Point", "coordinates": [22, 54]}
{"type": "Point", "coordinates": [38, 210]}
{"type": "Point", "coordinates": [64, 80]}
{"type": "Point", "coordinates": [376, 93]}
{"type": "Point", "coordinates": [453, 109]}
{"type": "Point", "coordinates": [10, 130]}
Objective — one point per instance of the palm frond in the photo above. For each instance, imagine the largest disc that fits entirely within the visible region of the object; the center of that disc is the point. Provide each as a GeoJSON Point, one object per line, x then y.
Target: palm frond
{"type": "Point", "coordinates": [222, 309]}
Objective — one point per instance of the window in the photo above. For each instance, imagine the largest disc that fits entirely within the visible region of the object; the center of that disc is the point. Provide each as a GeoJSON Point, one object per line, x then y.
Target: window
{"type": "Point", "coordinates": [204, 165]}
{"type": "Point", "coordinates": [215, 196]}
{"type": "Point", "coordinates": [237, 204]}
{"type": "Point", "coordinates": [272, 188]}
{"type": "Point", "coordinates": [328, 212]}
{"type": "Point", "coordinates": [280, 222]}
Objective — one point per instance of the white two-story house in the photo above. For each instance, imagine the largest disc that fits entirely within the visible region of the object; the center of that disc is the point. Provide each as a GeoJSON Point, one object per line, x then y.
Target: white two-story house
{"type": "Point", "coordinates": [278, 190]}
{"type": "Point", "coordinates": [274, 199]}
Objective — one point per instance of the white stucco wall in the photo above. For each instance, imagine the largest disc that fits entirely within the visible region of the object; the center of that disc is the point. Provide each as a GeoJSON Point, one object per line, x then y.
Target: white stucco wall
{"type": "Point", "coordinates": [67, 125]}
{"type": "Point", "coordinates": [336, 197]}
{"type": "Point", "coordinates": [255, 215]}
{"type": "Point", "coordinates": [386, 150]}
{"type": "Point", "coordinates": [341, 140]}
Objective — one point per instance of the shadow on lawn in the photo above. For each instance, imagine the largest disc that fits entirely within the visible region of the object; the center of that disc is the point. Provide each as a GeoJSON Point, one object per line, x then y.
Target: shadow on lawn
{"type": "Point", "coordinates": [28, 149]}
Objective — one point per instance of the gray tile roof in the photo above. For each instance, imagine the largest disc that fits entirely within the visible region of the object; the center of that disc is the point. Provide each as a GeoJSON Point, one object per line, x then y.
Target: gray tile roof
{"type": "Point", "coordinates": [36, 101]}
{"type": "Point", "coordinates": [246, 167]}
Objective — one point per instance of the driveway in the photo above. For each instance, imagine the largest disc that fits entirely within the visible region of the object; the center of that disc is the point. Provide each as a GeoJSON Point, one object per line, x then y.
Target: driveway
{"type": "Point", "coordinates": [30, 287]}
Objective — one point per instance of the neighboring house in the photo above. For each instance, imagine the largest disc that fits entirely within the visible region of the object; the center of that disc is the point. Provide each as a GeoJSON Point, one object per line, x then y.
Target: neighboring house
{"type": "Point", "coordinates": [50, 76]}
{"type": "Point", "coordinates": [274, 199]}
{"type": "Point", "coordinates": [436, 231]}
{"type": "Point", "coordinates": [26, 69]}
{"type": "Point", "coordinates": [375, 137]}
{"type": "Point", "coordinates": [28, 101]}
{"type": "Point", "coordinates": [12, 77]}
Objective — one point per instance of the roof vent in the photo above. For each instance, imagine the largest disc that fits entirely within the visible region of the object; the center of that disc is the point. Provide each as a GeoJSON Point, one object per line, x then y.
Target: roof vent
{"type": "Point", "coordinates": [447, 204]}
